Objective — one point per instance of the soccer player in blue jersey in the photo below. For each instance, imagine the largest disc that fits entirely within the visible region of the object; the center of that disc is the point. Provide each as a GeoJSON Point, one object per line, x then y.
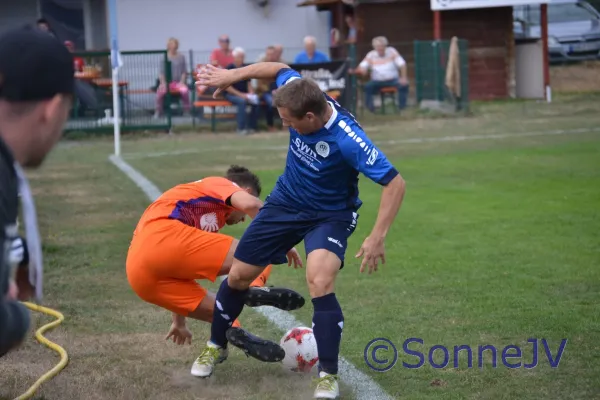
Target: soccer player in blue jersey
{"type": "Point", "coordinates": [315, 200]}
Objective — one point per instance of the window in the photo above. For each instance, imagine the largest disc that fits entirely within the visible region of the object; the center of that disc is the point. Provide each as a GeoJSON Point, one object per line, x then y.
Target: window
{"type": "Point", "coordinates": [556, 13]}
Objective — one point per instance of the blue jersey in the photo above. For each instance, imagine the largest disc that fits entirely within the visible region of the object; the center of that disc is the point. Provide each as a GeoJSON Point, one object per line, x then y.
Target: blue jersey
{"type": "Point", "coordinates": [322, 168]}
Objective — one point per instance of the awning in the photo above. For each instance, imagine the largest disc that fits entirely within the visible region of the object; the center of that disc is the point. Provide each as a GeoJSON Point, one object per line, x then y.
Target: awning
{"type": "Point", "coordinates": [317, 3]}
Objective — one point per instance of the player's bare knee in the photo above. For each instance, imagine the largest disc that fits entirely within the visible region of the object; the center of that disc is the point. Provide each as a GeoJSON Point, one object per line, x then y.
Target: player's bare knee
{"type": "Point", "coordinates": [322, 267]}
{"type": "Point", "coordinates": [242, 275]}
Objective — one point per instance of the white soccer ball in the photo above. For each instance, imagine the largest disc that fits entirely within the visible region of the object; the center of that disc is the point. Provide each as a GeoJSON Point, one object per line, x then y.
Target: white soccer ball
{"type": "Point", "coordinates": [300, 347]}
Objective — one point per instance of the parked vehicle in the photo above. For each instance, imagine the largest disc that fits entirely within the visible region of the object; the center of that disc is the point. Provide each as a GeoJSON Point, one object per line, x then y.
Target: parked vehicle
{"type": "Point", "coordinates": [573, 29]}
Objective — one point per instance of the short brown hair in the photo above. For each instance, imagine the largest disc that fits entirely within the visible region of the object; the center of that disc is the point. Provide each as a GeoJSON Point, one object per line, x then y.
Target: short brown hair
{"type": "Point", "coordinates": [300, 97]}
{"type": "Point", "coordinates": [244, 178]}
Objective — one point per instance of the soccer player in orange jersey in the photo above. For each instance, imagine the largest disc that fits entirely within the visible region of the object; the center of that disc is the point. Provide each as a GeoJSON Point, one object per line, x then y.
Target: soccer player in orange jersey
{"type": "Point", "coordinates": [177, 241]}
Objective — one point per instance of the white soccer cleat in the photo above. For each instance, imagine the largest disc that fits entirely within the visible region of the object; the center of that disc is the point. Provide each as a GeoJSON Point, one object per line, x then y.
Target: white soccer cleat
{"type": "Point", "coordinates": [327, 386]}
{"type": "Point", "coordinates": [205, 363]}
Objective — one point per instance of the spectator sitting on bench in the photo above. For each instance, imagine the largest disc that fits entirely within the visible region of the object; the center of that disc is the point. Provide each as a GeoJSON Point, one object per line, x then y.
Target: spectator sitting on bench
{"type": "Point", "coordinates": [178, 82]}
{"type": "Point", "coordinates": [241, 94]}
{"type": "Point", "coordinates": [383, 64]}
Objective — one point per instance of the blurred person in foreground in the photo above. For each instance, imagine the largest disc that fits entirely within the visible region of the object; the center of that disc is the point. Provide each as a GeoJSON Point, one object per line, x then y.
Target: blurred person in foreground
{"type": "Point", "coordinates": [36, 95]}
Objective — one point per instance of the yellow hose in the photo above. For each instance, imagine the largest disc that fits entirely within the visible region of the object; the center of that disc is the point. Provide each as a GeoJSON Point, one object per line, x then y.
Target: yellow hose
{"type": "Point", "coordinates": [64, 357]}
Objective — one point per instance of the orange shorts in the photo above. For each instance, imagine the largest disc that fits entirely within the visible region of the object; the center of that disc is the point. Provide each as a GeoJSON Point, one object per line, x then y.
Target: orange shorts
{"type": "Point", "coordinates": [166, 257]}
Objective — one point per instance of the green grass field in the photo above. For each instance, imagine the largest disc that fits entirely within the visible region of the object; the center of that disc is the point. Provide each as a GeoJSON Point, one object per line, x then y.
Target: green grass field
{"type": "Point", "coordinates": [498, 241]}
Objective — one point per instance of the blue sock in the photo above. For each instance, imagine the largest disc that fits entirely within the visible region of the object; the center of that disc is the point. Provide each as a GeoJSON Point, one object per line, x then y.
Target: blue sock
{"type": "Point", "coordinates": [228, 306]}
{"type": "Point", "coordinates": [328, 322]}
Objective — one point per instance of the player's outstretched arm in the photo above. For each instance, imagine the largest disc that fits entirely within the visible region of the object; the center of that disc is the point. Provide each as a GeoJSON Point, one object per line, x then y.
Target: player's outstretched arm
{"type": "Point", "coordinates": [223, 78]}
{"type": "Point", "coordinates": [373, 247]}
{"type": "Point", "coordinates": [365, 157]}
{"type": "Point", "coordinates": [245, 202]}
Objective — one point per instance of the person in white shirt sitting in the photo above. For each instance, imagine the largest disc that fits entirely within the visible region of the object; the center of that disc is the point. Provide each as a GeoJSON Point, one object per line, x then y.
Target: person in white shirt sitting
{"type": "Point", "coordinates": [387, 68]}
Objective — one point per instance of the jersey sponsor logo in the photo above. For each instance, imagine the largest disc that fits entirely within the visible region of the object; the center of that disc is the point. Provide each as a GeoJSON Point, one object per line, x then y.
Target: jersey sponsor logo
{"type": "Point", "coordinates": [322, 149]}
{"type": "Point", "coordinates": [305, 153]}
{"type": "Point", "coordinates": [209, 222]}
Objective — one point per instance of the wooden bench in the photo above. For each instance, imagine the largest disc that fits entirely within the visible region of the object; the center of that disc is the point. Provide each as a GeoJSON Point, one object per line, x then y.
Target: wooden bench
{"type": "Point", "coordinates": [214, 103]}
{"type": "Point", "coordinates": [388, 91]}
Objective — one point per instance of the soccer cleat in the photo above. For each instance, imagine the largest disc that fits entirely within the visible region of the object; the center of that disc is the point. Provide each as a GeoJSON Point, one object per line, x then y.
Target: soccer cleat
{"type": "Point", "coordinates": [282, 298]}
{"type": "Point", "coordinates": [205, 363]}
{"type": "Point", "coordinates": [253, 346]}
{"type": "Point", "coordinates": [327, 386]}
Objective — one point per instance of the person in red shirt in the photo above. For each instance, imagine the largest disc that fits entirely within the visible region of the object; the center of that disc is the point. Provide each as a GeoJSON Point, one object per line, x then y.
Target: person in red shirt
{"type": "Point", "coordinates": [222, 56]}
{"type": "Point", "coordinates": [78, 62]}
{"type": "Point", "coordinates": [177, 242]}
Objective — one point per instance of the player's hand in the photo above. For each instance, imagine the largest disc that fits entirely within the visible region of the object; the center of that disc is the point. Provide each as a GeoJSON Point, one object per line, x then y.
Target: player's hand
{"type": "Point", "coordinates": [294, 257]}
{"type": "Point", "coordinates": [220, 78]}
{"type": "Point", "coordinates": [179, 334]}
{"type": "Point", "coordinates": [371, 250]}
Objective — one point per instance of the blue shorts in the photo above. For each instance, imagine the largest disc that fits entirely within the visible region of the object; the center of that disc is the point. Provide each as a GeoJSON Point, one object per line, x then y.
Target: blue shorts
{"type": "Point", "coordinates": [276, 230]}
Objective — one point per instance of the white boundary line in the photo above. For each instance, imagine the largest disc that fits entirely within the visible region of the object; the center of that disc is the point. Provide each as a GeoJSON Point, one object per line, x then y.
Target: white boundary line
{"type": "Point", "coordinates": [454, 138]}
{"type": "Point", "coordinates": [362, 385]}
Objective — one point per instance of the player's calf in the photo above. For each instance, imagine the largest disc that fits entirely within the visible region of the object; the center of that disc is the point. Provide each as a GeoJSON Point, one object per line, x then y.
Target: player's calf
{"type": "Point", "coordinates": [328, 319]}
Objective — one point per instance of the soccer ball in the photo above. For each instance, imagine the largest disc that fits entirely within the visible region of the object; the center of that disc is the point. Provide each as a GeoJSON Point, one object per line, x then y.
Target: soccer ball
{"type": "Point", "coordinates": [300, 347]}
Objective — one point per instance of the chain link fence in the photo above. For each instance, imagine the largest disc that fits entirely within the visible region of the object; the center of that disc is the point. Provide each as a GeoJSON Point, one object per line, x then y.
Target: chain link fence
{"type": "Point", "coordinates": [138, 81]}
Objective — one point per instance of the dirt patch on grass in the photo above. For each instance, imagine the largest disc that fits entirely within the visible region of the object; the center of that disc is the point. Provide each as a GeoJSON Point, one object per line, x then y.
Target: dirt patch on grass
{"type": "Point", "coordinates": [142, 366]}
{"type": "Point", "coordinates": [584, 77]}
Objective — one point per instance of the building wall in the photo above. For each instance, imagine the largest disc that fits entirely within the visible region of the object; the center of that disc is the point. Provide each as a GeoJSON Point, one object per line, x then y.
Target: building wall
{"type": "Point", "coordinates": [147, 24]}
{"type": "Point", "coordinates": [14, 14]}
{"type": "Point", "coordinates": [488, 31]}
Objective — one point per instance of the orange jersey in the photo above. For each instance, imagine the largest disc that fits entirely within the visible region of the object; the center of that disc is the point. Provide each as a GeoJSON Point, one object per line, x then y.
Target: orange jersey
{"type": "Point", "coordinates": [200, 204]}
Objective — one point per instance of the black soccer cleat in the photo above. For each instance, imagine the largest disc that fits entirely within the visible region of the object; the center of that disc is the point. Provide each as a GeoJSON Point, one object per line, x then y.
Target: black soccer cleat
{"type": "Point", "coordinates": [282, 298]}
{"type": "Point", "coordinates": [253, 346]}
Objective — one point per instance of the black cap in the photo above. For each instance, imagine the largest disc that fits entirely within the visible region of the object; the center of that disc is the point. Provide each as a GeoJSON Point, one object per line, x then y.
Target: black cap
{"type": "Point", "coordinates": [34, 66]}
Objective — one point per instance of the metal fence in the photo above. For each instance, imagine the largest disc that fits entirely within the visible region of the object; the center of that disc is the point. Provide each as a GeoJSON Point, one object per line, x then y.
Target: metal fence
{"type": "Point", "coordinates": [137, 86]}
{"type": "Point", "coordinates": [434, 74]}
{"type": "Point", "coordinates": [427, 64]}
{"type": "Point", "coordinates": [144, 108]}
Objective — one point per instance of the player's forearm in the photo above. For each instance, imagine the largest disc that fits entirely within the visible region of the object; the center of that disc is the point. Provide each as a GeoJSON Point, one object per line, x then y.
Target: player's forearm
{"type": "Point", "coordinates": [253, 209]}
{"type": "Point", "coordinates": [391, 200]}
{"type": "Point", "coordinates": [178, 320]}
{"type": "Point", "coordinates": [261, 70]}
{"type": "Point", "coordinates": [246, 203]}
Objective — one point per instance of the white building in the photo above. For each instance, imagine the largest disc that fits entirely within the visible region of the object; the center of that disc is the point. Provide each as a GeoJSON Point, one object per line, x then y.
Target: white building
{"type": "Point", "coordinates": [147, 24]}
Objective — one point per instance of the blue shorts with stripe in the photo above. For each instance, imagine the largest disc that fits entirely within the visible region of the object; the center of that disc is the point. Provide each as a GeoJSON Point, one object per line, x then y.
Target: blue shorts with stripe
{"type": "Point", "coordinates": [276, 230]}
